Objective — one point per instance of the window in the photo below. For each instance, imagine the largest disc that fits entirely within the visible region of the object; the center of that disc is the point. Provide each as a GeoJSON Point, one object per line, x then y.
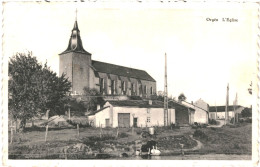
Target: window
{"type": "Point", "coordinates": [140, 90]}
{"type": "Point", "coordinates": [113, 87]}
{"type": "Point", "coordinates": [109, 86]}
{"type": "Point", "coordinates": [101, 85]}
{"type": "Point", "coordinates": [145, 89]}
{"type": "Point", "coordinates": [148, 119]}
{"type": "Point", "coordinates": [132, 89]}
{"type": "Point", "coordinates": [123, 87]}
{"type": "Point", "coordinates": [151, 90]}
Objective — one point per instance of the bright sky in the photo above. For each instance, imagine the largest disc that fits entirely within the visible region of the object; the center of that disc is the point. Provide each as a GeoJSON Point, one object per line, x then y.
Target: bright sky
{"type": "Point", "coordinates": [203, 56]}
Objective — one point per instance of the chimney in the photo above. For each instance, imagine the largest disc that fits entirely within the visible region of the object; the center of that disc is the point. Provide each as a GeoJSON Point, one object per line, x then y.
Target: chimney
{"type": "Point", "coordinates": [98, 107]}
{"type": "Point", "coordinates": [150, 102]}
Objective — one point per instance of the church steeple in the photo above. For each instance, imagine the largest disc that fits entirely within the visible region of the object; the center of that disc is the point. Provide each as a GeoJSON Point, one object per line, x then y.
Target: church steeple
{"type": "Point", "coordinates": [75, 43]}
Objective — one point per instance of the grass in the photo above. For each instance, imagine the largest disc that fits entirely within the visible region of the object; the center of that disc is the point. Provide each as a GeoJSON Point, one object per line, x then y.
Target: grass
{"type": "Point", "coordinates": [225, 140]}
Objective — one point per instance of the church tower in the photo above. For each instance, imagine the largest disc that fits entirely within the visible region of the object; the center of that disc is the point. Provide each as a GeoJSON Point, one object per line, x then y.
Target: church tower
{"type": "Point", "coordinates": [75, 62]}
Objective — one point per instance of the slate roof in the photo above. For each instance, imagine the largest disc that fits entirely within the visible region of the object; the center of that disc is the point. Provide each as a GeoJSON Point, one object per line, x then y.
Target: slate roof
{"type": "Point", "coordinates": [121, 71]}
{"type": "Point", "coordinates": [136, 103]}
{"type": "Point", "coordinates": [222, 108]}
{"type": "Point", "coordinates": [94, 112]}
{"type": "Point", "coordinates": [79, 46]}
{"type": "Point", "coordinates": [173, 103]}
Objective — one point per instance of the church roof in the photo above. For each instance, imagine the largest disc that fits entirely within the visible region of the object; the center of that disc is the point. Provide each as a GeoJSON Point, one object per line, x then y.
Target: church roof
{"type": "Point", "coordinates": [75, 43]}
{"type": "Point", "coordinates": [121, 71]}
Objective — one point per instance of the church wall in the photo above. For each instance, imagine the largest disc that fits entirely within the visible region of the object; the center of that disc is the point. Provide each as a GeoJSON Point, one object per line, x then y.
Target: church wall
{"type": "Point", "coordinates": [65, 65]}
{"type": "Point", "coordinates": [81, 72]}
{"type": "Point", "coordinates": [104, 76]}
{"type": "Point", "coordinates": [125, 79]}
{"type": "Point", "coordinates": [93, 80]}
{"type": "Point", "coordinates": [134, 91]}
{"type": "Point", "coordinates": [148, 84]}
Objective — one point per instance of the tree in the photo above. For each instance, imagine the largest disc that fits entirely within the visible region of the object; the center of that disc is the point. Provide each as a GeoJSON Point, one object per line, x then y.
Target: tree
{"type": "Point", "coordinates": [247, 112]}
{"type": "Point", "coordinates": [182, 97]}
{"type": "Point", "coordinates": [93, 97]}
{"type": "Point", "coordinates": [33, 89]}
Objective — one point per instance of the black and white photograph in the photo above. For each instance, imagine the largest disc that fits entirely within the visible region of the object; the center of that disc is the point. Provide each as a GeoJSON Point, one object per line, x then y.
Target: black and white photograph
{"type": "Point", "coordinates": [129, 81]}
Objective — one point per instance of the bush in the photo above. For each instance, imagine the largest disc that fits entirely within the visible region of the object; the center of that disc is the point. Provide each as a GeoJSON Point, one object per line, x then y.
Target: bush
{"type": "Point", "coordinates": [122, 135]}
{"type": "Point", "coordinates": [201, 135]}
{"type": "Point", "coordinates": [213, 122]}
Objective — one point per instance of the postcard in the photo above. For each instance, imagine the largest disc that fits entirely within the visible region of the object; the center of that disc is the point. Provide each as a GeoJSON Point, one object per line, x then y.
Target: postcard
{"type": "Point", "coordinates": [130, 83]}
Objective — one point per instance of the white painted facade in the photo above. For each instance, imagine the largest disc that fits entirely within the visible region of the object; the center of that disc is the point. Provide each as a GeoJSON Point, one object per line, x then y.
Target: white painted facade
{"type": "Point", "coordinates": [201, 112]}
{"type": "Point", "coordinates": [221, 114]}
{"type": "Point", "coordinates": [145, 116]}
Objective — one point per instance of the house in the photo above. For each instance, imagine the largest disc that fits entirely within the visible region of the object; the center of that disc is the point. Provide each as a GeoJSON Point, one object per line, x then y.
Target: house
{"type": "Point", "coordinates": [184, 115]}
{"type": "Point", "coordinates": [109, 79]}
{"type": "Point", "coordinates": [201, 108]}
{"type": "Point", "coordinates": [128, 113]}
{"type": "Point", "coordinates": [218, 112]}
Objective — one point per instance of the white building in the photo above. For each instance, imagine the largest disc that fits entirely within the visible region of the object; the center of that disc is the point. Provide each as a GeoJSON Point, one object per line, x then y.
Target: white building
{"type": "Point", "coordinates": [218, 112]}
{"type": "Point", "coordinates": [128, 113]}
{"type": "Point", "coordinates": [201, 108]}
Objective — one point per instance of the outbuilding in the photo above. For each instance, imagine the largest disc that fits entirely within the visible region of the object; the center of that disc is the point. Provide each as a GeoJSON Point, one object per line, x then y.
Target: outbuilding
{"type": "Point", "coordinates": [128, 113]}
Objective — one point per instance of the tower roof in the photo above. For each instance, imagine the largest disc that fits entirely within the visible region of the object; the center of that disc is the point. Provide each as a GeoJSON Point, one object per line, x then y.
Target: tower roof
{"type": "Point", "coordinates": [75, 43]}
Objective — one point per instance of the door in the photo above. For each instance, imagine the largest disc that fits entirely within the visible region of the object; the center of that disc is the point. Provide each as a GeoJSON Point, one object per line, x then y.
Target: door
{"type": "Point", "coordinates": [135, 122]}
{"type": "Point", "coordinates": [123, 120]}
{"type": "Point", "coordinates": [107, 122]}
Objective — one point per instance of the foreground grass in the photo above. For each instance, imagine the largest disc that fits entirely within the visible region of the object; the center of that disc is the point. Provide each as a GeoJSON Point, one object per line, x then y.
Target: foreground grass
{"type": "Point", "coordinates": [227, 140]}
{"type": "Point", "coordinates": [62, 143]}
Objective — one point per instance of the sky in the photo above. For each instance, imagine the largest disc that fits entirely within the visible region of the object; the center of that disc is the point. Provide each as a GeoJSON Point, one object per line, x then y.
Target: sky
{"type": "Point", "coordinates": [203, 56]}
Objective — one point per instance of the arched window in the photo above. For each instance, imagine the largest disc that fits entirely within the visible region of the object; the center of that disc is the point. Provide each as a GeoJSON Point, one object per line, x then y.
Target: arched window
{"type": "Point", "coordinates": [151, 90]}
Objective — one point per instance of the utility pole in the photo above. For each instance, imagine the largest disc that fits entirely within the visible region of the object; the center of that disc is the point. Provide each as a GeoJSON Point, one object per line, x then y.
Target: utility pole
{"type": "Point", "coordinates": [216, 111]}
{"type": "Point", "coordinates": [227, 100]}
{"type": "Point", "coordinates": [165, 94]}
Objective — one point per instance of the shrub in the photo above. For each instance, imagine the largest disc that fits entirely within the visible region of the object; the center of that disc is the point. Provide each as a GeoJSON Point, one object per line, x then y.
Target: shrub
{"type": "Point", "coordinates": [122, 135]}
{"type": "Point", "coordinates": [213, 122]}
{"type": "Point", "coordinates": [200, 134]}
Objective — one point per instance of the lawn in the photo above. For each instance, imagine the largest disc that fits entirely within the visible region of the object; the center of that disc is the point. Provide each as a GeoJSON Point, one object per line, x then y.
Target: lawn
{"type": "Point", "coordinates": [227, 140]}
{"type": "Point", "coordinates": [65, 143]}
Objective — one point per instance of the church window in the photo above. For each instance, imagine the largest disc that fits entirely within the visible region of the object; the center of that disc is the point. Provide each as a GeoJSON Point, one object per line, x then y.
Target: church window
{"type": "Point", "coordinates": [113, 87]}
{"type": "Point", "coordinates": [101, 85]}
{"type": "Point", "coordinates": [123, 87]}
{"type": "Point", "coordinates": [151, 90]}
{"type": "Point", "coordinates": [109, 86]}
{"type": "Point", "coordinates": [145, 89]}
{"type": "Point", "coordinates": [140, 90]}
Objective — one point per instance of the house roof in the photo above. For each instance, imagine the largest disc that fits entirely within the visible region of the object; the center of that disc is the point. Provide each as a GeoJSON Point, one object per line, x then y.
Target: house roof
{"type": "Point", "coordinates": [222, 108]}
{"type": "Point", "coordinates": [136, 103]}
{"type": "Point", "coordinates": [195, 105]}
{"type": "Point", "coordinates": [174, 103]}
{"type": "Point", "coordinates": [94, 112]}
{"type": "Point", "coordinates": [121, 71]}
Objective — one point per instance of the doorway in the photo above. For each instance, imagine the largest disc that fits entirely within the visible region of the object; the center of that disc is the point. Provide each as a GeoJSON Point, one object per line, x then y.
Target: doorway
{"type": "Point", "coordinates": [135, 122]}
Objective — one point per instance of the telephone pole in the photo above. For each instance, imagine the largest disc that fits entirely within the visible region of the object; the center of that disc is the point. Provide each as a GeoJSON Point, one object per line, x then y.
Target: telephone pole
{"type": "Point", "coordinates": [227, 100]}
{"type": "Point", "coordinates": [165, 94]}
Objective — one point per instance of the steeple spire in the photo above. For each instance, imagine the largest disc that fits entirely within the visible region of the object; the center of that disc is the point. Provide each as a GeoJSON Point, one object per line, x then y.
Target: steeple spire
{"type": "Point", "coordinates": [76, 14]}
{"type": "Point", "coordinates": [75, 43]}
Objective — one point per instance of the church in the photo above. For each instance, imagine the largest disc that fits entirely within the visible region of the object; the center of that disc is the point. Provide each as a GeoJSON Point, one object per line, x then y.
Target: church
{"type": "Point", "coordinates": [108, 79]}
